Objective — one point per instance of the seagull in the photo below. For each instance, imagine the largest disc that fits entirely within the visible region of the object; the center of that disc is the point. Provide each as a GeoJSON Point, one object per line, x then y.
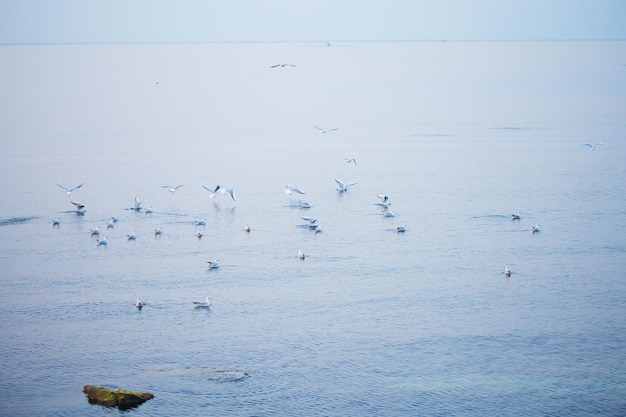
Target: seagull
{"type": "Point", "coordinates": [148, 210]}
{"type": "Point", "coordinates": [56, 222]}
{"type": "Point", "coordinates": [343, 187]}
{"type": "Point", "coordinates": [79, 206]}
{"type": "Point", "coordinates": [384, 200]}
{"type": "Point", "coordinates": [213, 264]}
{"type": "Point", "coordinates": [304, 204]}
{"type": "Point", "coordinates": [350, 160]}
{"type": "Point", "coordinates": [137, 204]}
{"type": "Point", "coordinates": [69, 190]}
{"type": "Point", "coordinates": [138, 304]}
{"type": "Point", "coordinates": [589, 145]}
{"type": "Point", "coordinates": [300, 254]}
{"type": "Point", "coordinates": [158, 231]}
{"type": "Point", "coordinates": [507, 271]}
{"type": "Point", "coordinates": [205, 303]}
{"type": "Point", "coordinates": [132, 236]}
{"type": "Point", "coordinates": [199, 234]}
{"type": "Point", "coordinates": [312, 222]}
{"type": "Point", "coordinates": [321, 129]}
{"type": "Point", "coordinates": [95, 231]}
{"type": "Point", "coordinates": [200, 222]}
{"type": "Point", "coordinates": [102, 241]}
{"type": "Point", "coordinates": [515, 216]}
{"type": "Point", "coordinates": [282, 65]}
{"type": "Point", "coordinates": [400, 229]}
{"type": "Point", "coordinates": [114, 219]}
{"type": "Point", "coordinates": [171, 189]}
{"type": "Point", "coordinates": [388, 213]}
{"type": "Point", "coordinates": [213, 192]}
{"type": "Point", "coordinates": [247, 228]}
{"type": "Point", "coordinates": [536, 229]}
{"type": "Point", "coordinates": [110, 224]}
{"type": "Point", "coordinates": [224, 190]}
{"type": "Point", "coordinates": [290, 189]}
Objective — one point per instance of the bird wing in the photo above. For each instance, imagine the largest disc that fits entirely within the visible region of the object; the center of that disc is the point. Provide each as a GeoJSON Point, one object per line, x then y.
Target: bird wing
{"type": "Point", "coordinates": [65, 188]}
{"type": "Point", "coordinates": [341, 184]}
{"type": "Point", "coordinates": [78, 186]}
{"type": "Point", "coordinates": [77, 204]}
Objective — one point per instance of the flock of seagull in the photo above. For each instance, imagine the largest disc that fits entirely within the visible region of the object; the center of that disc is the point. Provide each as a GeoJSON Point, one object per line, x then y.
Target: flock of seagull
{"type": "Point", "coordinates": [290, 189]}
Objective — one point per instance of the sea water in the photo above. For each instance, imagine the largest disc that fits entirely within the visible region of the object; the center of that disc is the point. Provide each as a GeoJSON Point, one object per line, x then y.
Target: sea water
{"type": "Point", "coordinates": [458, 135]}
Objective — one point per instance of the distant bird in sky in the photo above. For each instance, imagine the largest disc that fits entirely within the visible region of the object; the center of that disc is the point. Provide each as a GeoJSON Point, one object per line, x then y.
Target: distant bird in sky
{"type": "Point", "coordinates": [290, 189]}
{"type": "Point", "coordinates": [342, 186]}
{"type": "Point", "coordinates": [282, 65]}
{"type": "Point", "coordinates": [69, 190]}
{"type": "Point", "coordinates": [590, 146]}
{"type": "Point", "coordinates": [205, 303]}
{"type": "Point", "coordinates": [170, 188]}
{"type": "Point", "coordinates": [323, 130]}
{"type": "Point", "coordinates": [350, 160]}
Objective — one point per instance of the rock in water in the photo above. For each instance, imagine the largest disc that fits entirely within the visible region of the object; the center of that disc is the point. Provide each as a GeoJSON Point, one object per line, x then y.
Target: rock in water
{"type": "Point", "coordinates": [115, 398]}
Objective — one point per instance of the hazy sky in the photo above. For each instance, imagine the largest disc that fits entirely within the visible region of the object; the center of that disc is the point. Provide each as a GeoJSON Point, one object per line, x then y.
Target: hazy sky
{"type": "Point", "coordinates": [54, 21]}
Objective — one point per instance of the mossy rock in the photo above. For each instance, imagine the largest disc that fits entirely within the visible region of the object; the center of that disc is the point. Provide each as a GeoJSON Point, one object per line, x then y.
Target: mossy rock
{"type": "Point", "coordinates": [115, 398]}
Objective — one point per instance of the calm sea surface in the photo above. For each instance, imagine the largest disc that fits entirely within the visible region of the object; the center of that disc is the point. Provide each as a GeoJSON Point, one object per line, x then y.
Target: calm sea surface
{"type": "Point", "coordinates": [373, 322]}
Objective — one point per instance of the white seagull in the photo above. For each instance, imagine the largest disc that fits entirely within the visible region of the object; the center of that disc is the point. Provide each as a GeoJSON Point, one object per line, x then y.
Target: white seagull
{"type": "Point", "coordinates": [213, 192]}
{"type": "Point", "coordinates": [247, 228]}
{"type": "Point", "coordinates": [290, 189]}
{"type": "Point", "coordinates": [132, 236]}
{"type": "Point", "coordinates": [69, 190]}
{"type": "Point", "coordinates": [536, 229]}
{"type": "Point", "coordinates": [56, 222]}
{"type": "Point", "coordinates": [200, 222]}
{"type": "Point", "coordinates": [224, 190]}
{"type": "Point", "coordinates": [300, 254]}
{"type": "Point", "coordinates": [384, 200]}
{"type": "Point", "coordinates": [79, 206]}
{"type": "Point", "coordinates": [138, 304]}
{"type": "Point", "coordinates": [137, 204]}
{"type": "Point", "coordinates": [350, 160]}
{"type": "Point", "coordinates": [321, 129]}
{"type": "Point", "coordinates": [158, 231]}
{"type": "Point", "coordinates": [95, 231]}
{"type": "Point", "coordinates": [170, 188]}
{"type": "Point", "coordinates": [102, 241]}
{"type": "Point", "coordinates": [343, 187]}
{"type": "Point", "coordinates": [515, 216]}
{"type": "Point", "coordinates": [199, 234]}
{"type": "Point", "coordinates": [507, 271]}
{"type": "Point", "coordinates": [213, 264]}
{"type": "Point", "coordinates": [205, 303]}
{"type": "Point", "coordinates": [110, 224]}
{"type": "Point", "coordinates": [282, 65]}
{"type": "Point", "coordinates": [590, 146]}
{"type": "Point", "coordinates": [400, 229]}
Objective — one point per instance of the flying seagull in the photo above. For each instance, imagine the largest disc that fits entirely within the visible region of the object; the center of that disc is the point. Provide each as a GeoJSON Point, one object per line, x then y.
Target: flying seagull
{"type": "Point", "coordinates": [321, 129]}
{"type": "Point", "coordinates": [590, 146]}
{"type": "Point", "coordinates": [343, 187]}
{"type": "Point", "coordinates": [137, 204]}
{"type": "Point", "coordinates": [282, 65]}
{"type": "Point", "coordinates": [350, 160]}
{"type": "Point", "coordinates": [69, 190]}
{"type": "Point", "coordinates": [290, 189]}
{"type": "Point", "coordinates": [170, 188]}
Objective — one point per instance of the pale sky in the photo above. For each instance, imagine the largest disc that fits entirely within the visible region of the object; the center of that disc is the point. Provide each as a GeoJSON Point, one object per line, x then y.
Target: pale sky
{"type": "Point", "coordinates": [112, 21]}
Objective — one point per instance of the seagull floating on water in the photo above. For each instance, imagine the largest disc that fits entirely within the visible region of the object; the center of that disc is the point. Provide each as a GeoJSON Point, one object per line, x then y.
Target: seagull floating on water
{"type": "Point", "coordinates": [290, 189]}
{"type": "Point", "coordinates": [170, 188]}
{"type": "Point", "coordinates": [110, 224]}
{"type": "Point", "coordinates": [536, 229]}
{"type": "Point", "coordinates": [69, 190]}
{"type": "Point", "coordinates": [213, 264]}
{"type": "Point", "coordinates": [300, 254]}
{"type": "Point", "coordinates": [247, 228]}
{"type": "Point", "coordinates": [95, 231]}
{"type": "Point", "coordinates": [199, 234]}
{"type": "Point", "coordinates": [79, 206]}
{"type": "Point", "coordinates": [200, 222]}
{"type": "Point", "coordinates": [205, 303]}
{"type": "Point", "coordinates": [400, 229]}
{"type": "Point", "coordinates": [343, 187]}
{"type": "Point", "coordinates": [158, 231]}
{"type": "Point", "coordinates": [56, 222]}
{"type": "Point", "coordinates": [515, 216]}
{"type": "Point", "coordinates": [138, 304]}
{"type": "Point", "coordinates": [102, 241]}
{"type": "Point", "coordinates": [507, 271]}
{"type": "Point", "coordinates": [590, 146]}
{"type": "Point", "coordinates": [323, 130]}
{"type": "Point", "coordinates": [132, 236]}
